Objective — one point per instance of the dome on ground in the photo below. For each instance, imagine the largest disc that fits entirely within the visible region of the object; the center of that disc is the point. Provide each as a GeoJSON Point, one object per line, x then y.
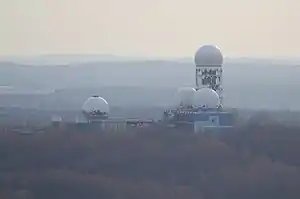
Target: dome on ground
{"type": "Point", "coordinates": [206, 98]}
{"type": "Point", "coordinates": [185, 96]}
{"type": "Point", "coordinates": [95, 104]}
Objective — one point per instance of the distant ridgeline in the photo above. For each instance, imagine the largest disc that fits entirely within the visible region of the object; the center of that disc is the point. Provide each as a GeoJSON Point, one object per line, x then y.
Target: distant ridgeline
{"type": "Point", "coordinates": [240, 91]}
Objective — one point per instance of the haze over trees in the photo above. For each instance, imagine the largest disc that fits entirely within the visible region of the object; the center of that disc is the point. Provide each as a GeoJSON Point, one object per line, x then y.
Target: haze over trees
{"type": "Point", "coordinates": [256, 162]}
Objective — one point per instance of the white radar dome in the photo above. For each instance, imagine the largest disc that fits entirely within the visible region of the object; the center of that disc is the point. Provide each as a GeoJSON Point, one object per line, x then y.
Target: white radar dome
{"type": "Point", "coordinates": [208, 55]}
{"type": "Point", "coordinates": [185, 96]}
{"type": "Point", "coordinates": [206, 98]}
{"type": "Point", "coordinates": [95, 104]}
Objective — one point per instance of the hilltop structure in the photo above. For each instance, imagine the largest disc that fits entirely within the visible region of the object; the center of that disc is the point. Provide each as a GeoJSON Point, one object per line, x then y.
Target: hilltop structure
{"type": "Point", "coordinates": [202, 107]}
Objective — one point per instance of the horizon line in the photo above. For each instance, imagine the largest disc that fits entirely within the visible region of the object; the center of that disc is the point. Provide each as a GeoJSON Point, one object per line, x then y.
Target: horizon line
{"type": "Point", "coordinates": [133, 57]}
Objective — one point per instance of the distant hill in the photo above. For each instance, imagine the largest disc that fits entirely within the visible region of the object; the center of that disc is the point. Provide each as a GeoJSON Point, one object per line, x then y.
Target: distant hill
{"type": "Point", "coordinates": [75, 59]}
{"type": "Point", "coordinates": [67, 59]}
{"type": "Point", "coordinates": [251, 83]}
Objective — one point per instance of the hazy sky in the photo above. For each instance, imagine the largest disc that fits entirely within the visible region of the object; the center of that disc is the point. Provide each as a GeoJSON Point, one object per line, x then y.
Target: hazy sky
{"type": "Point", "coordinates": [150, 27]}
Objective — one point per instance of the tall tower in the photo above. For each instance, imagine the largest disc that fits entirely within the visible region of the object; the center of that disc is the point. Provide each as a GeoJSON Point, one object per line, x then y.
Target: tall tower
{"type": "Point", "coordinates": [209, 61]}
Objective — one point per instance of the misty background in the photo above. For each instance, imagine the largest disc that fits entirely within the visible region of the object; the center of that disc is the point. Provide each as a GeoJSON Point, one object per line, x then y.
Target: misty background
{"type": "Point", "coordinates": [65, 82]}
{"type": "Point", "coordinates": [55, 54]}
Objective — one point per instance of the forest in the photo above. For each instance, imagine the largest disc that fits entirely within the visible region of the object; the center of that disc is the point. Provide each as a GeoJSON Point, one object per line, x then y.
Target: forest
{"type": "Point", "coordinates": [258, 162]}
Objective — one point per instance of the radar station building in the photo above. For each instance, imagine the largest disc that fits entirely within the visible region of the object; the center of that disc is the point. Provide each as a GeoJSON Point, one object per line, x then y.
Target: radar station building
{"type": "Point", "coordinates": [199, 108]}
{"type": "Point", "coordinates": [95, 116]}
{"type": "Point", "coordinates": [202, 107]}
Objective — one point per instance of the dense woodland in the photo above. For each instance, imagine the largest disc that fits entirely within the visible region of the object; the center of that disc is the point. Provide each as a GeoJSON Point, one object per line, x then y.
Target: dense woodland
{"type": "Point", "coordinates": [254, 162]}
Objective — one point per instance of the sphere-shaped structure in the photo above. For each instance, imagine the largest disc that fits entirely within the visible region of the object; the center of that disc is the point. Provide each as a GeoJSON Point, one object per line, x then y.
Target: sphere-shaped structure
{"type": "Point", "coordinates": [206, 98]}
{"type": "Point", "coordinates": [95, 107]}
{"type": "Point", "coordinates": [208, 55]}
{"type": "Point", "coordinates": [185, 96]}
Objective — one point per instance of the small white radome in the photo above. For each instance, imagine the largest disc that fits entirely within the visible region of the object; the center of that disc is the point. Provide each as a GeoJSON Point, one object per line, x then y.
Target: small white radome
{"type": "Point", "coordinates": [95, 103]}
{"type": "Point", "coordinates": [185, 96]}
{"type": "Point", "coordinates": [206, 98]}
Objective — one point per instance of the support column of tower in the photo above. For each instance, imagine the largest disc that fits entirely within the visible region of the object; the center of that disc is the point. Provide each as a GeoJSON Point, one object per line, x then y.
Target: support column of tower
{"type": "Point", "coordinates": [209, 61]}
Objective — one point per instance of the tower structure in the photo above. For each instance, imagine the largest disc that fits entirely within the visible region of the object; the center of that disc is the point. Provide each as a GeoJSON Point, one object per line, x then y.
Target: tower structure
{"type": "Point", "coordinates": [209, 61]}
{"type": "Point", "coordinates": [201, 108]}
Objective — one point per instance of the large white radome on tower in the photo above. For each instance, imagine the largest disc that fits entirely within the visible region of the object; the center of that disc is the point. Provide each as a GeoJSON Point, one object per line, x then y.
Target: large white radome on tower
{"type": "Point", "coordinates": [185, 96]}
{"type": "Point", "coordinates": [208, 55]}
{"type": "Point", "coordinates": [206, 98]}
{"type": "Point", "coordinates": [95, 103]}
